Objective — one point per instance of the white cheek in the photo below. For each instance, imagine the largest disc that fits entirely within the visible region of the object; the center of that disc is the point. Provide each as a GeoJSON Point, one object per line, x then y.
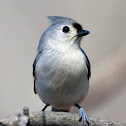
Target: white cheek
{"type": "Point", "coordinates": [72, 33]}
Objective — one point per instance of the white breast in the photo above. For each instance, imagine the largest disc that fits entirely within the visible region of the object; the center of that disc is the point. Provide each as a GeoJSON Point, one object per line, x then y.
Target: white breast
{"type": "Point", "coordinates": [62, 78]}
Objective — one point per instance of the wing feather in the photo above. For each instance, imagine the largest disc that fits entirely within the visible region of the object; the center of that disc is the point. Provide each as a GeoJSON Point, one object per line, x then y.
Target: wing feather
{"type": "Point", "coordinates": [34, 70]}
{"type": "Point", "coordinates": [88, 64]}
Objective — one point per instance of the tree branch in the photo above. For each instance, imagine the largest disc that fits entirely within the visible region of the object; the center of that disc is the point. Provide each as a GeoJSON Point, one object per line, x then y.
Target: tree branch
{"type": "Point", "coordinates": [55, 119]}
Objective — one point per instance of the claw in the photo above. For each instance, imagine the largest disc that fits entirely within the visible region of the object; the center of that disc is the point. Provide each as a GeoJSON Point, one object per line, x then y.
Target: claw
{"type": "Point", "coordinates": [84, 116]}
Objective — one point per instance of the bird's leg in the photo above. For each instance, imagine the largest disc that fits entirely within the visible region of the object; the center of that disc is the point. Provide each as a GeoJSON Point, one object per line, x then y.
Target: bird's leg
{"type": "Point", "coordinates": [82, 115]}
{"type": "Point", "coordinates": [45, 107]}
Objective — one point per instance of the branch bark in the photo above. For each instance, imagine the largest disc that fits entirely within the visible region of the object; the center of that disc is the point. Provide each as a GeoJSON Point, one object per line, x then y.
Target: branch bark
{"type": "Point", "coordinates": [56, 119]}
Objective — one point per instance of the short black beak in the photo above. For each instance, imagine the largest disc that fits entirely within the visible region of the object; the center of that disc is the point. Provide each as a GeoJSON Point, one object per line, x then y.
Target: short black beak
{"type": "Point", "coordinates": [83, 33]}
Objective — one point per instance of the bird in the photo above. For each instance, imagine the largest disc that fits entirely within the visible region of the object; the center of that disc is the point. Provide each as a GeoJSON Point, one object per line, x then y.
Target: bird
{"type": "Point", "coordinates": [61, 69]}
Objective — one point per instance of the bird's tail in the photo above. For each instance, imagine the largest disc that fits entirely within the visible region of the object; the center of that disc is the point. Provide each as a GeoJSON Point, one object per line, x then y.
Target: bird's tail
{"type": "Point", "coordinates": [59, 110]}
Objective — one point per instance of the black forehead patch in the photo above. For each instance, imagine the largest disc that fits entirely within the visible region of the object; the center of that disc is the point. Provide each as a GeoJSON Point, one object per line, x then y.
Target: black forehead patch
{"type": "Point", "coordinates": [77, 26]}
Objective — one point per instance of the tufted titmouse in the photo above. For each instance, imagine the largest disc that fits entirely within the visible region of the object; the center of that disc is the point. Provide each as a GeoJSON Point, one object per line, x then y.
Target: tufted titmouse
{"type": "Point", "coordinates": [61, 68]}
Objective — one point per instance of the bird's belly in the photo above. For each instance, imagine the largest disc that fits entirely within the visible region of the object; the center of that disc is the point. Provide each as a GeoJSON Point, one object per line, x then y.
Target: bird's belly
{"type": "Point", "coordinates": [62, 83]}
{"type": "Point", "coordinates": [63, 96]}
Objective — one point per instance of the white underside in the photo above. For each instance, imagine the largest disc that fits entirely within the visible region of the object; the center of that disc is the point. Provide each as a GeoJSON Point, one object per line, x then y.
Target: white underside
{"type": "Point", "coordinates": [62, 78]}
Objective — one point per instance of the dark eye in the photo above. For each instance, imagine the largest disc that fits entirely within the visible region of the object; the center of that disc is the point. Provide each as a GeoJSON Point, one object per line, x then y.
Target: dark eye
{"type": "Point", "coordinates": [66, 29]}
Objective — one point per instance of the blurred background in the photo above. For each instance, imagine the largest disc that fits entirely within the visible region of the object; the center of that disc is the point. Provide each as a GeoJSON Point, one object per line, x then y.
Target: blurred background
{"type": "Point", "coordinates": [21, 25]}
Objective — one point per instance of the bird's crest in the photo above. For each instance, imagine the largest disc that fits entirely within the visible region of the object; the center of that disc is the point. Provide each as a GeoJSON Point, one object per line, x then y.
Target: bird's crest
{"type": "Point", "coordinates": [60, 19]}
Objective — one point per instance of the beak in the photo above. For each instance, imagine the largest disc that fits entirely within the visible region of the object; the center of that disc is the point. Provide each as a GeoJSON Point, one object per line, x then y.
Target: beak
{"type": "Point", "coordinates": [83, 33]}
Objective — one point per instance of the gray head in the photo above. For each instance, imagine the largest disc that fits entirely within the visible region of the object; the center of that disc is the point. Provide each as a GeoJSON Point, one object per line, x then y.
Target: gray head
{"type": "Point", "coordinates": [62, 30]}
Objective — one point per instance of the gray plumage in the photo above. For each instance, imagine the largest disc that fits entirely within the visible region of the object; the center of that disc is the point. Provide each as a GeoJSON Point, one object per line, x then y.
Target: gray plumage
{"type": "Point", "coordinates": [60, 20]}
{"type": "Point", "coordinates": [61, 68]}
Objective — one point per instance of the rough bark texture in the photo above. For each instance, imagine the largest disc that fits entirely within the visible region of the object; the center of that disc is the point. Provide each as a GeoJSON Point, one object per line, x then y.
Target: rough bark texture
{"type": "Point", "coordinates": [55, 119]}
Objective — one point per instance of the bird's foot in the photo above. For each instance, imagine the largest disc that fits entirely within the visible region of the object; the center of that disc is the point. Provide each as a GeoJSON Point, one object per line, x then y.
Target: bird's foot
{"type": "Point", "coordinates": [83, 116]}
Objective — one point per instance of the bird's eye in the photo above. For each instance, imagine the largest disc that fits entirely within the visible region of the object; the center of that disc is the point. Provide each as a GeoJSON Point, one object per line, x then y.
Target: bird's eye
{"type": "Point", "coordinates": [66, 29]}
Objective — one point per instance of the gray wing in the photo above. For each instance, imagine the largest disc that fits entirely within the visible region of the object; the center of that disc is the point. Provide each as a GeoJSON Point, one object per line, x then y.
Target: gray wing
{"type": "Point", "coordinates": [87, 63]}
{"type": "Point", "coordinates": [34, 71]}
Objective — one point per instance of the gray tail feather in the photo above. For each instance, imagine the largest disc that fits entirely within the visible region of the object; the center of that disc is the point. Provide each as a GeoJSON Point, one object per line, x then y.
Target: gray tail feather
{"type": "Point", "coordinates": [59, 110]}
